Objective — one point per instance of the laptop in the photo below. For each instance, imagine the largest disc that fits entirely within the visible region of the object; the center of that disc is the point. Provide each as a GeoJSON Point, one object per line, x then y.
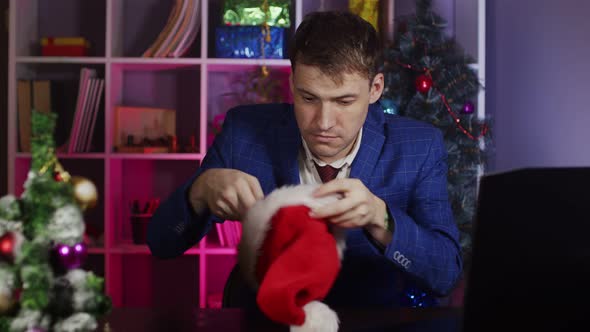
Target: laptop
{"type": "Point", "coordinates": [531, 252]}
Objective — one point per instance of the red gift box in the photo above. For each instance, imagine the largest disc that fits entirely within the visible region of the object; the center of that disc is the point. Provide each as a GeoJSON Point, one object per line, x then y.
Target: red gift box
{"type": "Point", "coordinates": [64, 46]}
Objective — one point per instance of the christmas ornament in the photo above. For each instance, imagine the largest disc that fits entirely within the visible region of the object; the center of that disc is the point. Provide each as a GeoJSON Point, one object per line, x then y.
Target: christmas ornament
{"type": "Point", "coordinates": [6, 303]}
{"type": "Point", "coordinates": [468, 108]}
{"type": "Point", "coordinates": [389, 106]}
{"type": "Point", "coordinates": [10, 243]}
{"type": "Point", "coordinates": [84, 192]}
{"type": "Point", "coordinates": [70, 257]}
{"type": "Point", "coordinates": [7, 284]}
{"type": "Point", "coordinates": [423, 83]}
{"type": "Point", "coordinates": [57, 177]}
{"type": "Point", "coordinates": [290, 277]}
{"type": "Point", "coordinates": [415, 297]}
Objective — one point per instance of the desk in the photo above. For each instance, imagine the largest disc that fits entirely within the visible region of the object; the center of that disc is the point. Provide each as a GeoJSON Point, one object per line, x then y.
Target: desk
{"type": "Point", "coordinates": [230, 320]}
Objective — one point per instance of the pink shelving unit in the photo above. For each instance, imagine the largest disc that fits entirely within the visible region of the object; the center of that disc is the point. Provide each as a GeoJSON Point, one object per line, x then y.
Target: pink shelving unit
{"type": "Point", "coordinates": [119, 31]}
{"type": "Point", "coordinates": [194, 85]}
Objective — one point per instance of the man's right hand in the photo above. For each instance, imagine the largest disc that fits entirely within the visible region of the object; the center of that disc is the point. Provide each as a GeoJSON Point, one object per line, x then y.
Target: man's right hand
{"type": "Point", "coordinates": [228, 193]}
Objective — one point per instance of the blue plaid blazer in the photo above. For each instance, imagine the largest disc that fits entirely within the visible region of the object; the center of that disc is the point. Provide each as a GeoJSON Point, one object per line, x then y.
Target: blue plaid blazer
{"type": "Point", "coordinates": [400, 160]}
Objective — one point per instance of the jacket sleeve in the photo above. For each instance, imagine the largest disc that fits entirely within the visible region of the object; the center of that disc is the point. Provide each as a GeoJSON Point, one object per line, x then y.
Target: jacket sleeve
{"type": "Point", "coordinates": [175, 227]}
{"type": "Point", "coordinates": [425, 238]}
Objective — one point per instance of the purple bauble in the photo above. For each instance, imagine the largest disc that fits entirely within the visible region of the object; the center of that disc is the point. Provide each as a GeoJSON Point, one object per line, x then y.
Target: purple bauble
{"type": "Point", "coordinates": [71, 257]}
{"type": "Point", "coordinates": [80, 252]}
{"type": "Point", "coordinates": [468, 108]}
{"type": "Point", "coordinates": [65, 255]}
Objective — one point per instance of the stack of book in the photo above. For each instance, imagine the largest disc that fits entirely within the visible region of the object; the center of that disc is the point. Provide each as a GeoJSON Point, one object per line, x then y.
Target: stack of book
{"type": "Point", "coordinates": [179, 32]}
{"type": "Point", "coordinates": [89, 96]}
{"type": "Point", "coordinates": [76, 117]}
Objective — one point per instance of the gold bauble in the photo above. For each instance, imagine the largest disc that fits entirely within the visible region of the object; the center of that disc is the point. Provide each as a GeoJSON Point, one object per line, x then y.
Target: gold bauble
{"type": "Point", "coordinates": [6, 303]}
{"type": "Point", "coordinates": [84, 192]}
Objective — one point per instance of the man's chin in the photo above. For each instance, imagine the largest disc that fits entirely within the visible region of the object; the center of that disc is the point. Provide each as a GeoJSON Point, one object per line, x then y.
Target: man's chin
{"type": "Point", "coordinates": [323, 153]}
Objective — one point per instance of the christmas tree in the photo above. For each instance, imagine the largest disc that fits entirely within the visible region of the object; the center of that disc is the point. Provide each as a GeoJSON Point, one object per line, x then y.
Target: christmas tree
{"type": "Point", "coordinates": [428, 77]}
{"type": "Point", "coordinates": [42, 284]}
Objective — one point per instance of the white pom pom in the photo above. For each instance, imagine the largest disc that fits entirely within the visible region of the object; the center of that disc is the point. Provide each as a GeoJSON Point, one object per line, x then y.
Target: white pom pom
{"type": "Point", "coordinates": [318, 318]}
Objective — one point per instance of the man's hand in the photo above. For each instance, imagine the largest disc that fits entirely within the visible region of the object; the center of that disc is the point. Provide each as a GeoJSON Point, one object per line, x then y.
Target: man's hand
{"type": "Point", "coordinates": [228, 193]}
{"type": "Point", "coordinates": [358, 207]}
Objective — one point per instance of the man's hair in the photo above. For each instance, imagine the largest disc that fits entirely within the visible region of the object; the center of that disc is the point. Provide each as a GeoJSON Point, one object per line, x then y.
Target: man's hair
{"type": "Point", "coordinates": [336, 43]}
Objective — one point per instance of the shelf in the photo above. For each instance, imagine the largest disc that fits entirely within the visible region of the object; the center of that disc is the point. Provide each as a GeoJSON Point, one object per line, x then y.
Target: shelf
{"type": "Point", "coordinates": [96, 250]}
{"type": "Point", "coordinates": [221, 251]}
{"type": "Point", "coordinates": [144, 250]}
{"type": "Point", "coordinates": [154, 63]}
{"type": "Point", "coordinates": [59, 59]}
{"type": "Point", "coordinates": [27, 155]}
{"type": "Point", "coordinates": [158, 156]}
{"type": "Point", "coordinates": [223, 65]}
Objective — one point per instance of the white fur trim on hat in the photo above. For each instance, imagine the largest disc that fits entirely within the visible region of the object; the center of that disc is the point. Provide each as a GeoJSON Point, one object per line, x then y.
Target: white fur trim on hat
{"type": "Point", "coordinates": [318, 318]}
{"type": "Point", "coordinates": [257, 222]}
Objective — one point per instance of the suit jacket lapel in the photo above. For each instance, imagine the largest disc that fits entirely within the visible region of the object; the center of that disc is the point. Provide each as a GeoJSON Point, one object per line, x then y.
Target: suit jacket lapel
{"type": "Point", "coordinates": [371, 143]}
{"type": "Point", "coordinates": [288, 140]}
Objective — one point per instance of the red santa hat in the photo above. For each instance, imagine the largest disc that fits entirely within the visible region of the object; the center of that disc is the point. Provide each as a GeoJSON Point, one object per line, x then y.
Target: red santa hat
{"type": "Point", "coordinates": [292, 259]}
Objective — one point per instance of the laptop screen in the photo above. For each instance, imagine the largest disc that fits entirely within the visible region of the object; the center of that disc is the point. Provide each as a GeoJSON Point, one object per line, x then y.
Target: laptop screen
{"type": "Point", "coordinates": [530, 267]}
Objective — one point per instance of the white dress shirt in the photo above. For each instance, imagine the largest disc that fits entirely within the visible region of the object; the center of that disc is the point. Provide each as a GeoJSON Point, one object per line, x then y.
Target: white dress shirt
{"type": "Point", "coordinates": [308, 174]}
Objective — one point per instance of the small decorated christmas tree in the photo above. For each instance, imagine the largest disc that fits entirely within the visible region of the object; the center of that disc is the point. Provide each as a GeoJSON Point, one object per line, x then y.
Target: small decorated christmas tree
{"type": "Point", "coordinates": [42, 284]}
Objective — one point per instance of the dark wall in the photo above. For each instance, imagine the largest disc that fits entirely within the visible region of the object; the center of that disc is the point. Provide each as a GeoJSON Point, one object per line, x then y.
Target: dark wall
{"type": "Point", "coordinates": [537, 82]}
{"type": "Point", "coordinates": [3, 96]}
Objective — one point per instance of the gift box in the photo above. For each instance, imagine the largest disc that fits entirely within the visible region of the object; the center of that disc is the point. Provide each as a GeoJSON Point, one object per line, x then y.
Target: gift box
{"type": "Point", "coordinates": [245, 42]}
{"type": "Point", "coordinates": [252, 12]}
{"type": "Point", "coordinates": [64, 46]}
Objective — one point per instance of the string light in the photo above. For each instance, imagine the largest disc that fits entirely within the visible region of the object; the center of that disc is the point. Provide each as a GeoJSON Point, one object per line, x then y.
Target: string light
{"type": "Point", "coordinates": [484, 128]}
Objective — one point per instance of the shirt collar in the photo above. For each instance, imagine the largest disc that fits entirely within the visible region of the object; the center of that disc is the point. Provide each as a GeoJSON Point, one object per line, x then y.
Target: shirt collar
{"type": "Point", "coordinates": [346, 161]}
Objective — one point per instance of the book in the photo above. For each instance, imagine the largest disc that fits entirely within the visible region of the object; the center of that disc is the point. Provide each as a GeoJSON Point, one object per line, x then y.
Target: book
{"type": "Point", "coordinates": [85, 122]}
{"type": "Point", "coordinates": [188, 37]}
{"type": "Point", "coordinates": [24, 108]}
{"type": "Point", "coordinates": [173, 20]}
{"type": "Point", "coordinates": [94, 115]}
{"type": "Point", "coordinates": [84, 89]}
{"type": "Point", "coordinates": [42, 96]}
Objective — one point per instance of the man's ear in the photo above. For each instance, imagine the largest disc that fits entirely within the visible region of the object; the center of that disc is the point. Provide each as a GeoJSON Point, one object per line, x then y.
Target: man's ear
{"type": "Point", "coordinates": [291, 84]}
{"type": "Point", "coordinates": [376, 88]}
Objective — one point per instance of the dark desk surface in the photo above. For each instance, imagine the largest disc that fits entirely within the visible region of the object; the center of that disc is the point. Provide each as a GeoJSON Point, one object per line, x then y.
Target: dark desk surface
{"type": "Point", "coordinates": [365, 320]}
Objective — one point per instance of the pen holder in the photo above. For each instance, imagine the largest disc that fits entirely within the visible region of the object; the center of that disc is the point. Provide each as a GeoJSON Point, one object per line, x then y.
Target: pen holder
{"type": "Point", "coordinates": [139, 224]}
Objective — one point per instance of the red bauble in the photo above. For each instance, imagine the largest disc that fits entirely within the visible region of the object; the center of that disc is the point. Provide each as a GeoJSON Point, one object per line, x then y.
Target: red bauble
{"type": "Point", "coordinates": [57, 176]}
{"type": "Point", "coordinates": [7, 245]}
{"type": "Point", "coordinates": [423, 83]}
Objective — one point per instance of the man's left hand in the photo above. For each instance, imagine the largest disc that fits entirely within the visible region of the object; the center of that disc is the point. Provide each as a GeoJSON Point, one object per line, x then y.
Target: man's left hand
{"type": "Point", "coordinates": [358, 207]}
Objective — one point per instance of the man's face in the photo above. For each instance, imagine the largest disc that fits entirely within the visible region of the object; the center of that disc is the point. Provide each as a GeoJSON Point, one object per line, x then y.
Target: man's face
{"type": "Point", "coordinates": [330, 115]}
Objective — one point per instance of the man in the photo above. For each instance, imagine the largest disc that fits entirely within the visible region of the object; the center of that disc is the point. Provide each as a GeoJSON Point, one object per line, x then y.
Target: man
{"type": "Point", "coordinates": [391, 171]}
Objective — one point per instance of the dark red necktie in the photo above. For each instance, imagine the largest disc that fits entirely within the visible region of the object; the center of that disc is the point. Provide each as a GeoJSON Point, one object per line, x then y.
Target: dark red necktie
{"type": "Point", "coordinates": [327, 173]}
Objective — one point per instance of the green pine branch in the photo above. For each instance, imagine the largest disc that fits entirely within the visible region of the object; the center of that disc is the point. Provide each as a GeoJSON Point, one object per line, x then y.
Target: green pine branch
{"type": "Point", "coordinates": [420, 47]}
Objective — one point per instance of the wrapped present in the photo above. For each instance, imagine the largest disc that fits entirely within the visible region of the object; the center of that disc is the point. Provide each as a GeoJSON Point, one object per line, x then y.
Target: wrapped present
{"type": "Point", "coordinates": [64, 46]}
{"type": "Point", "coordinates": [246, 42]}
{"type": "Point", "coordinates": [252, 12]}
{"type": "Point", "coordinates": [367, 9]}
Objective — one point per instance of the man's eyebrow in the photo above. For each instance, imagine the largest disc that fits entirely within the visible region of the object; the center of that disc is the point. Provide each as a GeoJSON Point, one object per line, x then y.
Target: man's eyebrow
{"type": "Point", "coordinates": [302, 90]}
{"type": "Point", "coordinates": [348, 95]}
{"type": "Point", "coordinates": [344, 96]}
